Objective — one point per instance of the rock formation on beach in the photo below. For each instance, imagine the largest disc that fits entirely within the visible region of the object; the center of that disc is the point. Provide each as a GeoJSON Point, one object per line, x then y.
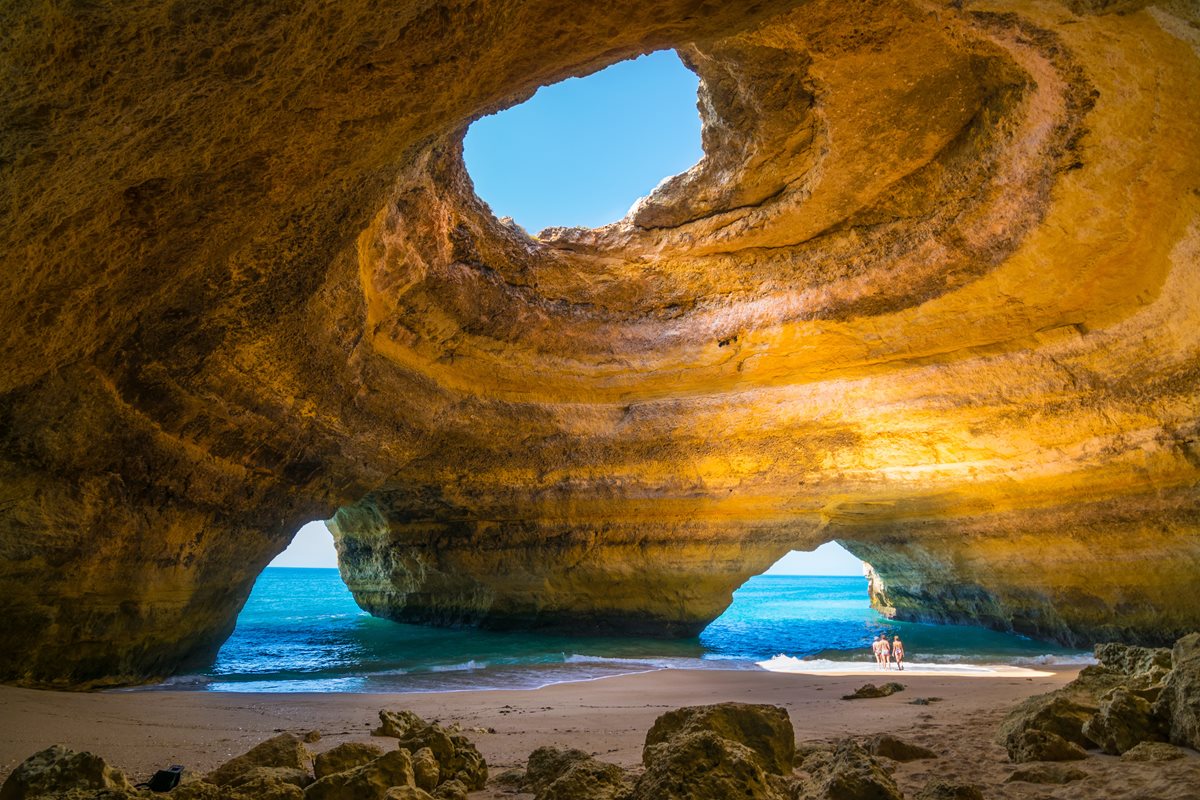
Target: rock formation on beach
{"type": "Point", "coordinates": [446, 766]}
{"type": "Point", "coordinates": [932, 292]}
{"type": "Point", "coordinates": [713, 752]}
{"type": "Point", "coordinates": [1134, 699]}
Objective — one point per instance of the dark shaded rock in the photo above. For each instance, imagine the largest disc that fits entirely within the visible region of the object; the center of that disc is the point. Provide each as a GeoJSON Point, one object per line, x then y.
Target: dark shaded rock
{"type": "Point", "coordinates": [266, 776]}
{"type": "Point", "coordinates": [285, 750]}
{"type": "Point", "coordinates": [1060, 714]}
{"type": "Point", "coordinates": [1039, 745]}
{"type": "Point", "coordinates": [58, 769]}
{"type": "Point", "coordinates": [546, 764]}
{"type": "Point", "coordinates": [945, 790]}
{"type": "Point", "coordinates": [895, 748]}
{"type": "Point", "coordinates": [554, 774]}
{"type": "Point", "coordinates": [408, 793]}
{"type": "Point", "coordinates": [344, 757]}
{"type": "Point", "coordinates": [702, 765]}
{"type": "Point", "coordinates": [1153, 751]}
{"type": "Point", "coordinates": [200, 790]}
{"type": "Point", "coordinates": [870, 690]}
{"type": "Point", "coordinates": [924, 701]}
{"type": "Point", "coordinates": [765, 729]}
{"type": "Point", "coordinates": [806, 749]}
{"type": "Point", "coordinates": [1124, 720]}
{"type": "Point", "coordinates": [510, 779]}
{"type": "Point", "coordinates": [1179, 704]}
{"type": "Point", "coordinates": [267, 783]}
{"type": "Point", "coordinates": [849, 773]}
{"type": "Point", "coordinates": [368, 782]}
{"type": "Point", "coordinates": [453, 789]}
{"type": "Point", "coordinates": [1047, 774]}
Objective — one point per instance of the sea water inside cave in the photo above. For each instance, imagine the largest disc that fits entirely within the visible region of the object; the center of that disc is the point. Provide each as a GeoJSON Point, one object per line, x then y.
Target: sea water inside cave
{"type": "Point", "coordinates": [301, 631]}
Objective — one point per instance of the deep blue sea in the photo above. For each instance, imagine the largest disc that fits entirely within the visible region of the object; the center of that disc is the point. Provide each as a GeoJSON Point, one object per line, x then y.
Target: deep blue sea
{"type": "Point", "coordinates": [301, 631]}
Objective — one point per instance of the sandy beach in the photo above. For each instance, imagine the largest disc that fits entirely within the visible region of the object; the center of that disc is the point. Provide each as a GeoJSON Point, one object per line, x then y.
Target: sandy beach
{"type": "Point", "coordinates": [139, 731]}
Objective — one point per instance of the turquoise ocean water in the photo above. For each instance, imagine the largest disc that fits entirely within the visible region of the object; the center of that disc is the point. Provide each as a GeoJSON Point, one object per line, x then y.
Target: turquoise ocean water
{"type": "Point", "coordinates": [301, 631]}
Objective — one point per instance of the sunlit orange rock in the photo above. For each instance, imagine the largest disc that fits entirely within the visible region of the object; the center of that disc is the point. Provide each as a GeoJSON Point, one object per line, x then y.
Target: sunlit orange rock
{"type": "Point", "coordinates": [933, 292]}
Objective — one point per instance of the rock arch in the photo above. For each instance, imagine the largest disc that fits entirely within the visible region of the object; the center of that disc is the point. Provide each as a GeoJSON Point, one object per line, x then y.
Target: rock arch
{"type": "Point", "coordinates": [932, 292]}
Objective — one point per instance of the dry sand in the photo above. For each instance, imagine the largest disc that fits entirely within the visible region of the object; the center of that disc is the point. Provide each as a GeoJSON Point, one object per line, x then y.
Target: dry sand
{"type": "Point", "coordinates": [141, 731]}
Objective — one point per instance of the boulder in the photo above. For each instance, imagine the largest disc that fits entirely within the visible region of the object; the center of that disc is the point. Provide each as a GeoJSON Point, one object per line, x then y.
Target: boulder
{"type": "Point", "coordinates": [312, 736]}
{"type": "Point", "coordinates": [346, 756]}
{"type": "Point", "coordinates": [1047, 774]}
{"type": "Point", "coordinates": [1124, 720]}
{"type": "Point", "coordinates": [1038, 745]}
{"type": "Point", "coordinates": [264, 785]}
{"type": "Point", "coordinates": [58, 769]}
{"type": "Point", "coordinates": [806, 749]}
{"type": "Point", "coordinates": [456, 756]}
{"type": "Point", "coordinates": [1153, 751]}
{"type": "Point", "coordinates": [370, 781]}
{"type": "Point", "coordinates": [1133, 660]}
{"type": "Point", "coordinates": [426, 771]}
{"type": "Point", "coordinates": [849, 773]}
{"type": "Point", "coordinates": [895, 748]}
{"type": "Point", "coordinates": [554, 774]}
{"type": "Point", "coordinates": [284, 750]}
{"type": "Point", "coordinates": [397, 723]}
{"type": "Point", "coordinates": [946, 790]}
{"type": "Point", "coordinates": [453, 789]}
{"type": "Point", "coordinates": [548, 764]}
{"type": "Point", "coordinates": [870, 690]}
{"type": "Point", "coordinates": [1060, 713]}
{"type": "Point", "coordinates": [765, 729]}
{"type": "Point", "coordinates": [407, 793]}
{"type": "Point", "coordinates": [262, 776]}
{"type": "Point", "coordinates": [1092, 682]}
{"type": "Point", "coordinates": [701, 765]}
{"type": "Point", "coordinates": [1179, 704]}
{"type": "Point", "coordinates": [200, 790]}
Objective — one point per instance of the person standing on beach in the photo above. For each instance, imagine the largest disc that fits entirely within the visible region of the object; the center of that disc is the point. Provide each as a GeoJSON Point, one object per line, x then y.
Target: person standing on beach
{"type": "Point", "coordinates": [898, 651]}
{"type": "Point", "coordinates": [885, 653]}
{"type": "Point", "coordinates": [875, 650]}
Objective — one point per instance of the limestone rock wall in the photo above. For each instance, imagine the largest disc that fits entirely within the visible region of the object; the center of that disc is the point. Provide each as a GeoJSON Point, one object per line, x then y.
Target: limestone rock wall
{"type": "Point", "coordinates": [933, 292]}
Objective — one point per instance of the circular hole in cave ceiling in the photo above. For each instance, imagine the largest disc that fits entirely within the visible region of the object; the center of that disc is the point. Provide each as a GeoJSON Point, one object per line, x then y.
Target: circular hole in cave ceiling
{"type": "Point", "coordinates": [580, 152]}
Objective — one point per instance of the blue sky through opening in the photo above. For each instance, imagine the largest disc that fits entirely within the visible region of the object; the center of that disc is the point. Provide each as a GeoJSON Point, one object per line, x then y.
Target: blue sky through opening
{"type": "Point", "coordinates": [580, 152]}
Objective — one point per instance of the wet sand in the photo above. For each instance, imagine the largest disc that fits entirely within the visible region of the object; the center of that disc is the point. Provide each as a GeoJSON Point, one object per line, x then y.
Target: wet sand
{"type": "Point", "coordinates": [140, 731]}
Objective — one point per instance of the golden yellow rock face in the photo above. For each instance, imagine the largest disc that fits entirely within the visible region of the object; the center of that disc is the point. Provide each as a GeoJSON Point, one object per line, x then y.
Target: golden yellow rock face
{"type": "Point", "coordinates": [933, 292]}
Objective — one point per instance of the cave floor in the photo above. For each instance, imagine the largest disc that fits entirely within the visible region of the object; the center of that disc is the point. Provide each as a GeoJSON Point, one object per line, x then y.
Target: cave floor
{"type": "Point", "coordinates": [141, 731]}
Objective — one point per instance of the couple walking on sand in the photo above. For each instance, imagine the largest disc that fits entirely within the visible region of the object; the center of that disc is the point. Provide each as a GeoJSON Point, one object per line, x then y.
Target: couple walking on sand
{"type": "Point", "coordinates": [885, 652]}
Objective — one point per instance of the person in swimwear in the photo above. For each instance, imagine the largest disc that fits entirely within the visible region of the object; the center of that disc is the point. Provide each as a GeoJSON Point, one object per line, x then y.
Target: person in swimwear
{"type": "Point", "coordinates": [885, 653]}
{"type": "Point", "coordinates": [875, 650]}
{"type": "Point", "coordinates": [898, 652]}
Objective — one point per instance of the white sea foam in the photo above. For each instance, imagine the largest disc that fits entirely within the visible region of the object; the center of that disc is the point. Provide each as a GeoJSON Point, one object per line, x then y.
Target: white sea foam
{"type": "Point", "coordinates": [1049, 659]}
{"type": "Point", "coordinates": [791, 664]}
{"type": "Point", "coordinates": [466, 666]}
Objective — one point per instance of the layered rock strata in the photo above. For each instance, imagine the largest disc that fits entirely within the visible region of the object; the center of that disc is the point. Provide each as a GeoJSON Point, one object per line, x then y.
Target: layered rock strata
{"type": "Point", "coordinates": [932, 292]}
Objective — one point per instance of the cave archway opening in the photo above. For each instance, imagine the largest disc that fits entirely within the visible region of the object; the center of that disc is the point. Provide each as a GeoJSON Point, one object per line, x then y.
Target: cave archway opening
{"type": "Point", "coordinates": [580, 152]}
{"type": "Point", "coordinates": [300, 618]}
{"type": "Point", "coordinates": [806, 603]}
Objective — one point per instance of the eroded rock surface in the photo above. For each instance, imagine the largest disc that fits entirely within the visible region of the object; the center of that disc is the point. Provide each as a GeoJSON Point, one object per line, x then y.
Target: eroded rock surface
{"type": "Point", "coordinates": [554, 774]}
{"type": "Point", "coordinates": [453, 754]}
{"type": "Point", "coordinates": [58, 770]}
{"type": "Point", "coordinates": [848, 772]}
{"type": "Point", "coordinates": [932, 292]}
{"type": "Point", "coordinates": [1129, 701]}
